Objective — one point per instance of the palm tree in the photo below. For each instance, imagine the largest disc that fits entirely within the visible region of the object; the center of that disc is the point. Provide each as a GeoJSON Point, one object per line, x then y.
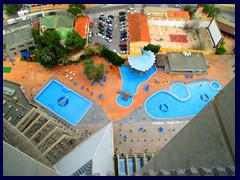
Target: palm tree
{"type": "Point", "coordinates": [46, 56]}
{"type": "Point", "coordinates": [64, 60]}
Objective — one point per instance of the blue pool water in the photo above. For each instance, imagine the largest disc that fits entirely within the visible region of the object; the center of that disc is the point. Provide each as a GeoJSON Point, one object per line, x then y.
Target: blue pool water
{"type": "Point", "coordinates": [179, 90]}
{"type": "Point", "coordinates": [64, 102]}
{"type": "Point", "coordinates": [176, 104]}
{"type": "Point", "coordinates": [131, 82]}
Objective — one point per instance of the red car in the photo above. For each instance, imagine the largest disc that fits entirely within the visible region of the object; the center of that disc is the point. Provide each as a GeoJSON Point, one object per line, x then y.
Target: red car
{"type": "Point", "coordinates": [122, 45]}
{"type": "Point", "coordinates": [91, 24]}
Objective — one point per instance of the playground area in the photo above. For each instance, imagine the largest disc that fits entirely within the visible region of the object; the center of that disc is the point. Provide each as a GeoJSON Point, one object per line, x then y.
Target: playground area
{"type": "Point", "coordinates": [179, 38]}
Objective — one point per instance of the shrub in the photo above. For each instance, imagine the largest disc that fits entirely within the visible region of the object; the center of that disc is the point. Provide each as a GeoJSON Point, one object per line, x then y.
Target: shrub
{"type": "Point", "coordinates": [153, 48]}
{"type": "Point", "coordinates": [113, 57]}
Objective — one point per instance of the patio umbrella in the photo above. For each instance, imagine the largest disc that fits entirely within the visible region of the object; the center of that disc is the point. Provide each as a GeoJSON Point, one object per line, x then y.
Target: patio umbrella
{"type": "Point", "coordinates": [204, 97]}
{"type": "Point", "coordinates": [100, 96]}
{"type": "Point", "coordinates": [125, 137]}
{"type": "Point", "coordinates": [12, 60]}
{"type": "Point", "coordinates": [147, 87]}
{"type": "Point", "coordinates": [163, 107]}
{"type": "Point", "coordinates": [161, 129]}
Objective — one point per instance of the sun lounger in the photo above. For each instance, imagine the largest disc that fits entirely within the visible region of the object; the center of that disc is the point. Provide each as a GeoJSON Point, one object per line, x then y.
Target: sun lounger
{"type": "Point", "coordinates": [71, 72]}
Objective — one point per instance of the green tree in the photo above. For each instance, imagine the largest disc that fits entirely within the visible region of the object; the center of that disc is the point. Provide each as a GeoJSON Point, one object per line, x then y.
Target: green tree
{"type": "Point", "coordinates": [93, 72]}
{"type": "Point", "coordinates": [12, 9]}
{"type": "Point", "coordinates": [100, 50]}
{"type": "Point", "coordinates": [47, 58]}
{"type": "Point", "coordinates": [113, 57]}
{"type": "Point", "coordinates": [75, 41]}
{"type": "Point", "coordinates": [89, 52]}
{"type": "Point", "coordinates": [221, 50]}
{"type": "Point", "coordinates": [50, 39]}
{"type": "Point", "coordinates": [76, 9]}
{"type": "Point", "coordinates": [153, 48]}
{"type": "Point", "coordinates": [64, 60]}
{"type": "Point", "coordinates": [211, 10]}
{"type": "Point", "coordinates": [189, 9]}
{"type": "Point", "coordinates": [36, 36]}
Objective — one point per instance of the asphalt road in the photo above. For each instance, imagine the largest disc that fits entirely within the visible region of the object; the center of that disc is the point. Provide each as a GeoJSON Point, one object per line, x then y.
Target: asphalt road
{"type": "Point", "coordinates": [33, 18]}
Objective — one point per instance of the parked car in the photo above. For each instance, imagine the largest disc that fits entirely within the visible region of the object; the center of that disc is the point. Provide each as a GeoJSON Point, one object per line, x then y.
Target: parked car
{"type": "Point", "coordinates": [90, 34]}
{"type": "Point", "coordinates": [39, 15]}
{"type": "Point", "coordinates": [101, 28]}
{"type": "Point", "coordinates": [109, 21]}
{"type": "Point", "coordinates": [123, 29]}
{"type": "Point", "coordinates": [123, 40]}
{"type": "Point", "coordinates": [89, 39]}
{"type": "Point", "coordinates": [111, 16]}
{"type": "Point", "coordinates": [101, 18]}
{"type": "Point", "coordinates": [122, 13]}
{"type": "Point", "coordinates": [122, 45]}
{"type": "Point", "coordinates": [91, 24]}
{"type": "Point", "coordinates": [122, 16]}
{"type": "Point", "coordinates": [25, 18]}
{"type": "Point", "coordinates": [108, 39]}
{"type": "Point", "coordinates": [102, 32]}
{"type": "Point", "coordinates": [101, 36]}
{"type": "Point", "coordinates": [123, 52]}
{"type": "Point", "coordinates": [101, 24]}
{"type": "Point", "coordinates": [122, 22]}
{"type": "Point", "coordinates": [108, 31]}
{"type": "Point", "coordinates": [102, 14]}
{"type": "Point", "coordinates": [104, 45]}
{"type": "Point", "coordinates": [109, 35]}
{"type": "Point", "coordinates": [123, 33]}
{"type": "Point", "coordinates": [52, 13]}
{"type": "Point", "coordinates": [123, 48]}
{"type": "Point", "coordinates": [110, 28]}
{"type": "Point", "coordinates": [122, 19]}
{"type": "Point", "coordinates": [123, 36]}
{"type": "Point", "coordinates": [115, 51]}
{"type": "Point", "coordinates": [108, 25]}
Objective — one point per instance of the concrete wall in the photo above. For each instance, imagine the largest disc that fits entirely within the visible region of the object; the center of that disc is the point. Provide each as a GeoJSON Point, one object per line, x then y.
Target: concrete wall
{"type": "Point", "coordinates": [207, 140]}
{"type": "Point", "coordinates": [172, 23]}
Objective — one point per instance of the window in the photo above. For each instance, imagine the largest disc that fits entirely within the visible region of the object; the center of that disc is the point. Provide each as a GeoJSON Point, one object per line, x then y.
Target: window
{"type": "Point", "coordinates": [12, 49]}
{"type": "Point", "coordinates": [20, 46]}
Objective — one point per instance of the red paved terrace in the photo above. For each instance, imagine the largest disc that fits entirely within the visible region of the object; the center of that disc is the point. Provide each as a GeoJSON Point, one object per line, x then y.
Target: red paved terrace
{"type": "Point", "coordinates": [178, 38]}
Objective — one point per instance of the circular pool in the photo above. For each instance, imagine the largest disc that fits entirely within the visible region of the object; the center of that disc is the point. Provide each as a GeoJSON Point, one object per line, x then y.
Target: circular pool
{"type": "Point", "coordinates": [215, 85]}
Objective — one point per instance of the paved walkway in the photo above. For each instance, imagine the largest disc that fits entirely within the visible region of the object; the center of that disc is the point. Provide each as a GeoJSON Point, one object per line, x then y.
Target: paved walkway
{"type": "Point", "coordinates": [34, 76]}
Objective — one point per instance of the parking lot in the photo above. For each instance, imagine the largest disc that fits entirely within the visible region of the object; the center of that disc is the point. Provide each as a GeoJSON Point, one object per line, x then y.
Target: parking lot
{"type": "Point", "coordinates": [114, 45]}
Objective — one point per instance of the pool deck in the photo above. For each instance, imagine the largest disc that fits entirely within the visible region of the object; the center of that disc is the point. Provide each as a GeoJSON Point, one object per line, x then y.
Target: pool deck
{"type": "Point", "coordinates": [34, 77]}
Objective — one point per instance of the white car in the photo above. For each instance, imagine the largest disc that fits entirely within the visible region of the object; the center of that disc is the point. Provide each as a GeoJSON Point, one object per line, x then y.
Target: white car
{"type": "Point", "coordinates": [101, 36]}
{"type": "Point", "coordinates": [25, 18]}
{"type": "Point", "coordinates": [123, 29]}
{"type": "Point", "coordinates": [108, 39]}
{"type": "Point", "coordinates": [90, 34]}
{"type": "Point", "coordinates": [109, 25]}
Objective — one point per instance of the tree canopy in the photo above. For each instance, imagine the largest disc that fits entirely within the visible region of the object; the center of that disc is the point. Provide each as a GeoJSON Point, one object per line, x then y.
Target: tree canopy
{"type": "Point", "coordinates": [75, 41]}
{"type": "Point", "coordinates": [12, 9]}
{"type": "Point", "coordinates": [112, 57]}
{"type": "Point", "coordinates": [93, 72]}
{"type": "Point", "coordinates": [211, 10]}
{"type": "Point", "coordinates": [221, 49]}
{"type": "Point", "coordinates": [153, 48]}
{"type": "Point", "coordinates": [76, 9]}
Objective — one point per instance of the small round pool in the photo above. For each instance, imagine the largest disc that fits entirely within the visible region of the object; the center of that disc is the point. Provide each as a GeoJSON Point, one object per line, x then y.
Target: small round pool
{"type": "Point", "coordinates": [179, 90]}
{"type": "Point", "coordinates": [215, 85]}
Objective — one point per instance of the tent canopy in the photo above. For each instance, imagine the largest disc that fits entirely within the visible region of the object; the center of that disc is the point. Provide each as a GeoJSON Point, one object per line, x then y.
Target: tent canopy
{"type": "Point", "coordinates": [143, 62]}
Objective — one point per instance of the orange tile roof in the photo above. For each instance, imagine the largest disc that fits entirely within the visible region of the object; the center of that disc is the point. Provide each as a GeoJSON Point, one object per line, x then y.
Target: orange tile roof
{"type": "Point", "coordinates": [81, 25]}
{"type": "Point", "coordinates": [178, 14]}
{"type": "Point", "coordinates": [138, 28]}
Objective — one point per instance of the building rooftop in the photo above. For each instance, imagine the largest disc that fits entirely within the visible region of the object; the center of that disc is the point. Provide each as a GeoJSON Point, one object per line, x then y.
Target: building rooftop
{"type": "Point", "coordinates": [17, 36]}
{"type": "Point", "coordinates": [179, 62]}
{"type": "Point", "coordinates": [81, 25]}
{"type": "Point", "coordinates": [178, 14]}
{"type": "Point", "coordinates": [138, 28]}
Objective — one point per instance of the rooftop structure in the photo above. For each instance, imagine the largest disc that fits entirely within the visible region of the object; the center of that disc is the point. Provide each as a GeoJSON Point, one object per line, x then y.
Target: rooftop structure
{"type": "Point", "coordinates": [178, 15]}
{"type": "Point", "coordinates": [187, 63]}
{"type": "Point", "coordinates": [18, 40]}
{"type": "Point", "coordinates": [138, 28]}
{"type": "Point", "coordinates": [81, 26]}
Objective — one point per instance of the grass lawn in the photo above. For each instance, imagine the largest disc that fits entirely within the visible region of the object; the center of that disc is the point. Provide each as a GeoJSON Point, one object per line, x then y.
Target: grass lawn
{"type": "Point", "coordinates": [7, 69]}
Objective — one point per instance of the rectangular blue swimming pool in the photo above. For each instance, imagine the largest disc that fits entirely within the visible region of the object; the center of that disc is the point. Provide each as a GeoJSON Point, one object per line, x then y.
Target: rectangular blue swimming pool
{"type": "Point", "coordinates": [63, 102]}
